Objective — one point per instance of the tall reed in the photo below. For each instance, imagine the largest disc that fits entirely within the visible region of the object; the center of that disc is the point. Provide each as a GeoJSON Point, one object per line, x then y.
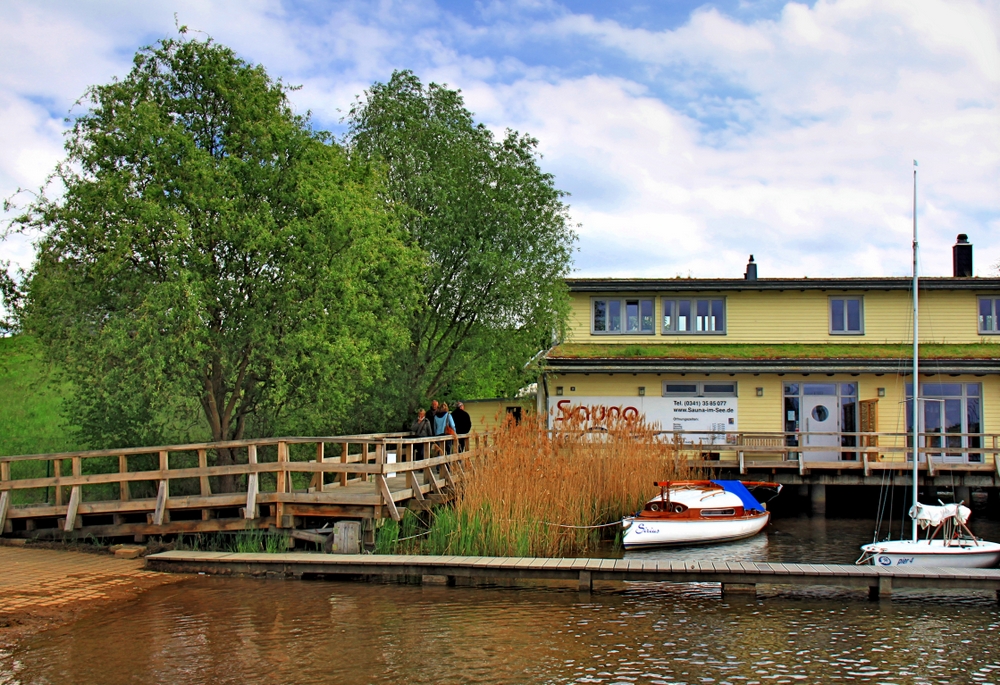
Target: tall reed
{"type": "Point", "coordinates": [534, 492]}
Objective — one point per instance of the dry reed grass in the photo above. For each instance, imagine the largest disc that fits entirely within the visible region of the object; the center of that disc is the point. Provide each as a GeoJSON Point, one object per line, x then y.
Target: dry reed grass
{"type": "Point", "coordinates": [524, 490]}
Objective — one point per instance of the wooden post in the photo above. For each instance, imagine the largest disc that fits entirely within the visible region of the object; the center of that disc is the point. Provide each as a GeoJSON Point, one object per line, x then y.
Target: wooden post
{"type": "Point", "coordinates": [343, 460]}
{"type": "Point", "coordinates": [365, 456]}
{"type": "Point", "coordinates": [387, 497]}
{"type": "Point", "coordinates": [283, 484]}
{"type": "Point", "coordinates": [283, 479]}
{"type": "Point", "coordinates": [448, 479]}
{"type": "Point", "coordinates": [206, 487]}
{"type": "Point", "coordinates": [160, 513]}
{"type": "Point", "coordinates": [74, 504]}
{"type": "Point", "coordinates": [4, 504]}
{"type": "Point", "coordinates": [57, 472]}
{"type": "Point", "coordinates": [250, 512]}
{"type": "Point", "coordinates": [124, 494]}
{"type": "Point", "coordinates": [163, 493]}
{"type": "Point", "coordinates": [414, 484]}
{"type": "Point", "coordinates": [74, 496]}
{"type": "Point", "coordinates": [5, 495]}
{"type": "Point", "coordinates": [317, 479]}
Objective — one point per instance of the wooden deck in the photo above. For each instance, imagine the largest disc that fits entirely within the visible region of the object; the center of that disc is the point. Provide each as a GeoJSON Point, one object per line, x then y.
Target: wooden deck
{"type": "Point", "coordinates": [734, 577]}
{"type": "Point", "coordinates": [279, 482]}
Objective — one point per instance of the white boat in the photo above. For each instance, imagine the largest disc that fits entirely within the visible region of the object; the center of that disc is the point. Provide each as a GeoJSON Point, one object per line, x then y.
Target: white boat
{"type": "Point", "coordinates": [697, 513]}
{"type": "Point", "coordinates": [948, 541]}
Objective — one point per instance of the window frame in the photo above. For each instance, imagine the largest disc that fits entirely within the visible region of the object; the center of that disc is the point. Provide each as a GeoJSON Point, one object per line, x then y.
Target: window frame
{"type": "Point", "coordinates": [675, 301]}
{"type": "Point", "coordinates": [994, 301]}
{"type": "Point", "coordinates": [623, 309]}
{"type": "Point", "coordinates": [861, 314]}
{"type": "Point", "coordinates": [700, 388]}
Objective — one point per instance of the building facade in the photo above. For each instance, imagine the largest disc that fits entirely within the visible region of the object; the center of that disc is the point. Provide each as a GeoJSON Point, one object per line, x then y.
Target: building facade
{"type": "Point", "coordinates": [810, 361]}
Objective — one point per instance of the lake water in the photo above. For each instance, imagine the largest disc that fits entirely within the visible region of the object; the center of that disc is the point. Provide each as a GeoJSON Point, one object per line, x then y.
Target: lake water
{"type": "Point", "coordinates": [234, 630]}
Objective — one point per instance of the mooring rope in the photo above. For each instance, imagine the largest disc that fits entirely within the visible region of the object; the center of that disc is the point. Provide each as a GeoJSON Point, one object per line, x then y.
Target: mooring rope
{"type": "Point", "coordinates": [566, 525]}
{"type": "Point", "coordinates": [418, 535]}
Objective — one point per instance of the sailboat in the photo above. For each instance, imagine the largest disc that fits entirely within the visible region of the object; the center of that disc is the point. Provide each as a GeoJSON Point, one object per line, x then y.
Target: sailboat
{"type": "Point", "coordinates": [948, 540]}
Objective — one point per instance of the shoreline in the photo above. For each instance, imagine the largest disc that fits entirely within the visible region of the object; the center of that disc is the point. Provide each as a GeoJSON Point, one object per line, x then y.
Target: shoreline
{"type": "Point", "coordinates": [46, 586]}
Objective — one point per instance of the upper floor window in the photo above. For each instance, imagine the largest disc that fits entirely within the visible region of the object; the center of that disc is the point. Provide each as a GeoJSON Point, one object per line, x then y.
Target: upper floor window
{"type": "Point", "coordinates": [699, 389]}
{"type": "Point", "coordinates": [622, 315]}
{"type": "Point", "coordinates": [694, 316]}
{"type": "Point", "coordinates": [847, 316]}
{"type": "Point", "coordinates": [989, 311]}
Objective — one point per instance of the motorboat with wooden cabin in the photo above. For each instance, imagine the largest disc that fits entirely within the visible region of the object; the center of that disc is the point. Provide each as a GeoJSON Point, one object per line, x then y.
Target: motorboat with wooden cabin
{"type": "Point", "coordinates": [699, 512]}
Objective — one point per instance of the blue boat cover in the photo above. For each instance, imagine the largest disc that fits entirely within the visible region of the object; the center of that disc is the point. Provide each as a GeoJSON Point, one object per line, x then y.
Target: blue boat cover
{"type": "Point", "coordinates": [740, 490]}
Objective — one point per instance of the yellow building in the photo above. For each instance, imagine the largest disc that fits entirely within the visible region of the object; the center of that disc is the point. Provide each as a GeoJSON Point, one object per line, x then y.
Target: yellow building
{"type": "Point", "coordinates": [817, 360]}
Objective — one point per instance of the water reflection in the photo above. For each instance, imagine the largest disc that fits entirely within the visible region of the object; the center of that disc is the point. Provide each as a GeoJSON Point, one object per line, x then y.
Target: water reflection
{"type": "Point", "coordinates": [266, 631]}
{"type": "Point", "coordinates": [257, 631]}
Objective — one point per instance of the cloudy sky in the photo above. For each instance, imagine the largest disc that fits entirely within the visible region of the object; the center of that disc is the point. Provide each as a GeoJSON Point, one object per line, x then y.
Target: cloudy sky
{"type": "Point", "coordinates": [688, 134]}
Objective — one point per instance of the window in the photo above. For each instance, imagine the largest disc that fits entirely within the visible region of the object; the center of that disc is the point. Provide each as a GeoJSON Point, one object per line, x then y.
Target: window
{"type": "Point", "coordinates": [699, 389]}
{"type": "Point", "coordinates": [846, 316]}
{"type": "Point", "coordinates": [625, 315]}
{"type": "Point", "coordinates": [989, 311]}
{"type": "Point", "coordinates": [951, 421]}
{"type": "Point", "coordinates": [694, 316]}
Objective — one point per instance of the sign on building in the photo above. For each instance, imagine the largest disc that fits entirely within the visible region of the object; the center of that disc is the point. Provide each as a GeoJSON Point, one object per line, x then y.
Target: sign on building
{"type": "Point", "coordinates": [702, 418]}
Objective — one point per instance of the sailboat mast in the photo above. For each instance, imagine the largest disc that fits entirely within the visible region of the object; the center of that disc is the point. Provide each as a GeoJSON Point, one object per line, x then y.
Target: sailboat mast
{"type": "Point", "coordinates": [916, 355]}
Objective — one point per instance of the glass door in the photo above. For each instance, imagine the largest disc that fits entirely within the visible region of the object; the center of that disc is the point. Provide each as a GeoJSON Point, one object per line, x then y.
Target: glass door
{"type": "Point", "coordinates": [821, 415]}
{"type": "Point", "coordinates": [951, 418]}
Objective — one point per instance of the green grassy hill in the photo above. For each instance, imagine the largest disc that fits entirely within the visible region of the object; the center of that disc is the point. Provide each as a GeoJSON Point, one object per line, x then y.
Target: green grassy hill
{"type": "Point", "coordinates": [31, 398]}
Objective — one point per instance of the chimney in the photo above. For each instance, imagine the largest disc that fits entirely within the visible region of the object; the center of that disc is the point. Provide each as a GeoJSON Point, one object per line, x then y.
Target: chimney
{"type": "Point", "coordinates": [961, 257]}
{"type": "Point", "coordinates": [751, 274]}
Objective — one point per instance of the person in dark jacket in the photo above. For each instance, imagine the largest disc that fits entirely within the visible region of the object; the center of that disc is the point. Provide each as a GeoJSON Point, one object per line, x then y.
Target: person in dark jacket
{"type": "Point", "coordinates": [421, 428]}
{"type": "Point", "coordinates": [463, 425]}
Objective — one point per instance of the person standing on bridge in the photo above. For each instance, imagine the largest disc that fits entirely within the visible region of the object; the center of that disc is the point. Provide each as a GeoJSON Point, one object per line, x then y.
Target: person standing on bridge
{"type": "Point", "coordinates": [463, 425]}
{"type": "Point", "coordinates": [444, 424]}
{"type": "Point", "coordinates": [421, 428]}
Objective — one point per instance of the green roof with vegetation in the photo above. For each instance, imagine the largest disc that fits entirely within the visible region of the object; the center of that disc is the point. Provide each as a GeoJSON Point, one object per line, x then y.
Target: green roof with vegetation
{"type": "Point", "coordinates": [786, 351]}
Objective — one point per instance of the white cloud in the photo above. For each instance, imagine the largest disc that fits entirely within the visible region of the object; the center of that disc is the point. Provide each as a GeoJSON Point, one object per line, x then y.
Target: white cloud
{"type": "Point", "coordinates": [684, 150]}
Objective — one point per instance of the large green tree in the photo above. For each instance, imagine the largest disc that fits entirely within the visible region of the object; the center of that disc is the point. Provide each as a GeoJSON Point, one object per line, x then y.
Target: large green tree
{"type": "Point", "coordinates": [208, 262]}
{"type": "Point", "coordinates": [494, 228]}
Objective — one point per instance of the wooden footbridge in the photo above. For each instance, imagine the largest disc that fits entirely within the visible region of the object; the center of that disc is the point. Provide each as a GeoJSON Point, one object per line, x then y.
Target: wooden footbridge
{"type": "Point", "coordinates": [297, 482]}
{"type": "Point", "coordinates": [733, 577]}
{"type": "Point", "coordinates": [226, 486]}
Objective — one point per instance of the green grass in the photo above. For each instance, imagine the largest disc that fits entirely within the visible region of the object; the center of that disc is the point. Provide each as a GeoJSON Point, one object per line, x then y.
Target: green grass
{"type": "Point", "coordinates": [789, 351]}
{"type": "Point", "coordinates": [31, 420]}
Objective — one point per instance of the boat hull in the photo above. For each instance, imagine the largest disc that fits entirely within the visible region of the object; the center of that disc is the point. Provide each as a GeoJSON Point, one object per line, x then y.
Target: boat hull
{"type": "Point", "coordinates": [646, 532]}
{"type": "Point", "coordinates": [933, 553]}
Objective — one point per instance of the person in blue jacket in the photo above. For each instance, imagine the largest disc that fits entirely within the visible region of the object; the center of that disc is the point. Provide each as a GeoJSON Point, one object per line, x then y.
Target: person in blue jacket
{"type": "Point", "coordinates": [444, 424]}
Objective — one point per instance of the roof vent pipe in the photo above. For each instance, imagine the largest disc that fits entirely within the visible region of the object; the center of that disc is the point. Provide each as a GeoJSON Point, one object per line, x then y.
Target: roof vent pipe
{"type": "Point", "coordinates": [961, 257]}
{"type": "Point", "coordinates": [751, 274]}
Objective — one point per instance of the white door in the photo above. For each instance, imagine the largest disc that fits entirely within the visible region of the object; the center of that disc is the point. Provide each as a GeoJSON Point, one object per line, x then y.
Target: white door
{"type": "Point", "coordinates": [820, 414]}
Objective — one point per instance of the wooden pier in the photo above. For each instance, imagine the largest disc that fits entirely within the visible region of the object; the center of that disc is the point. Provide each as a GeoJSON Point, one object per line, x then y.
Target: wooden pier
{"type": "Point", "coordinates": [734, 577]}
{"type": "Point", "coordinates": [279, 482]}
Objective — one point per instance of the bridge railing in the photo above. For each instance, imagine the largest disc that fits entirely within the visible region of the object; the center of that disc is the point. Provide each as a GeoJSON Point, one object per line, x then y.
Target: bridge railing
{"type": "Point", "coordinates": [199, 479]}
